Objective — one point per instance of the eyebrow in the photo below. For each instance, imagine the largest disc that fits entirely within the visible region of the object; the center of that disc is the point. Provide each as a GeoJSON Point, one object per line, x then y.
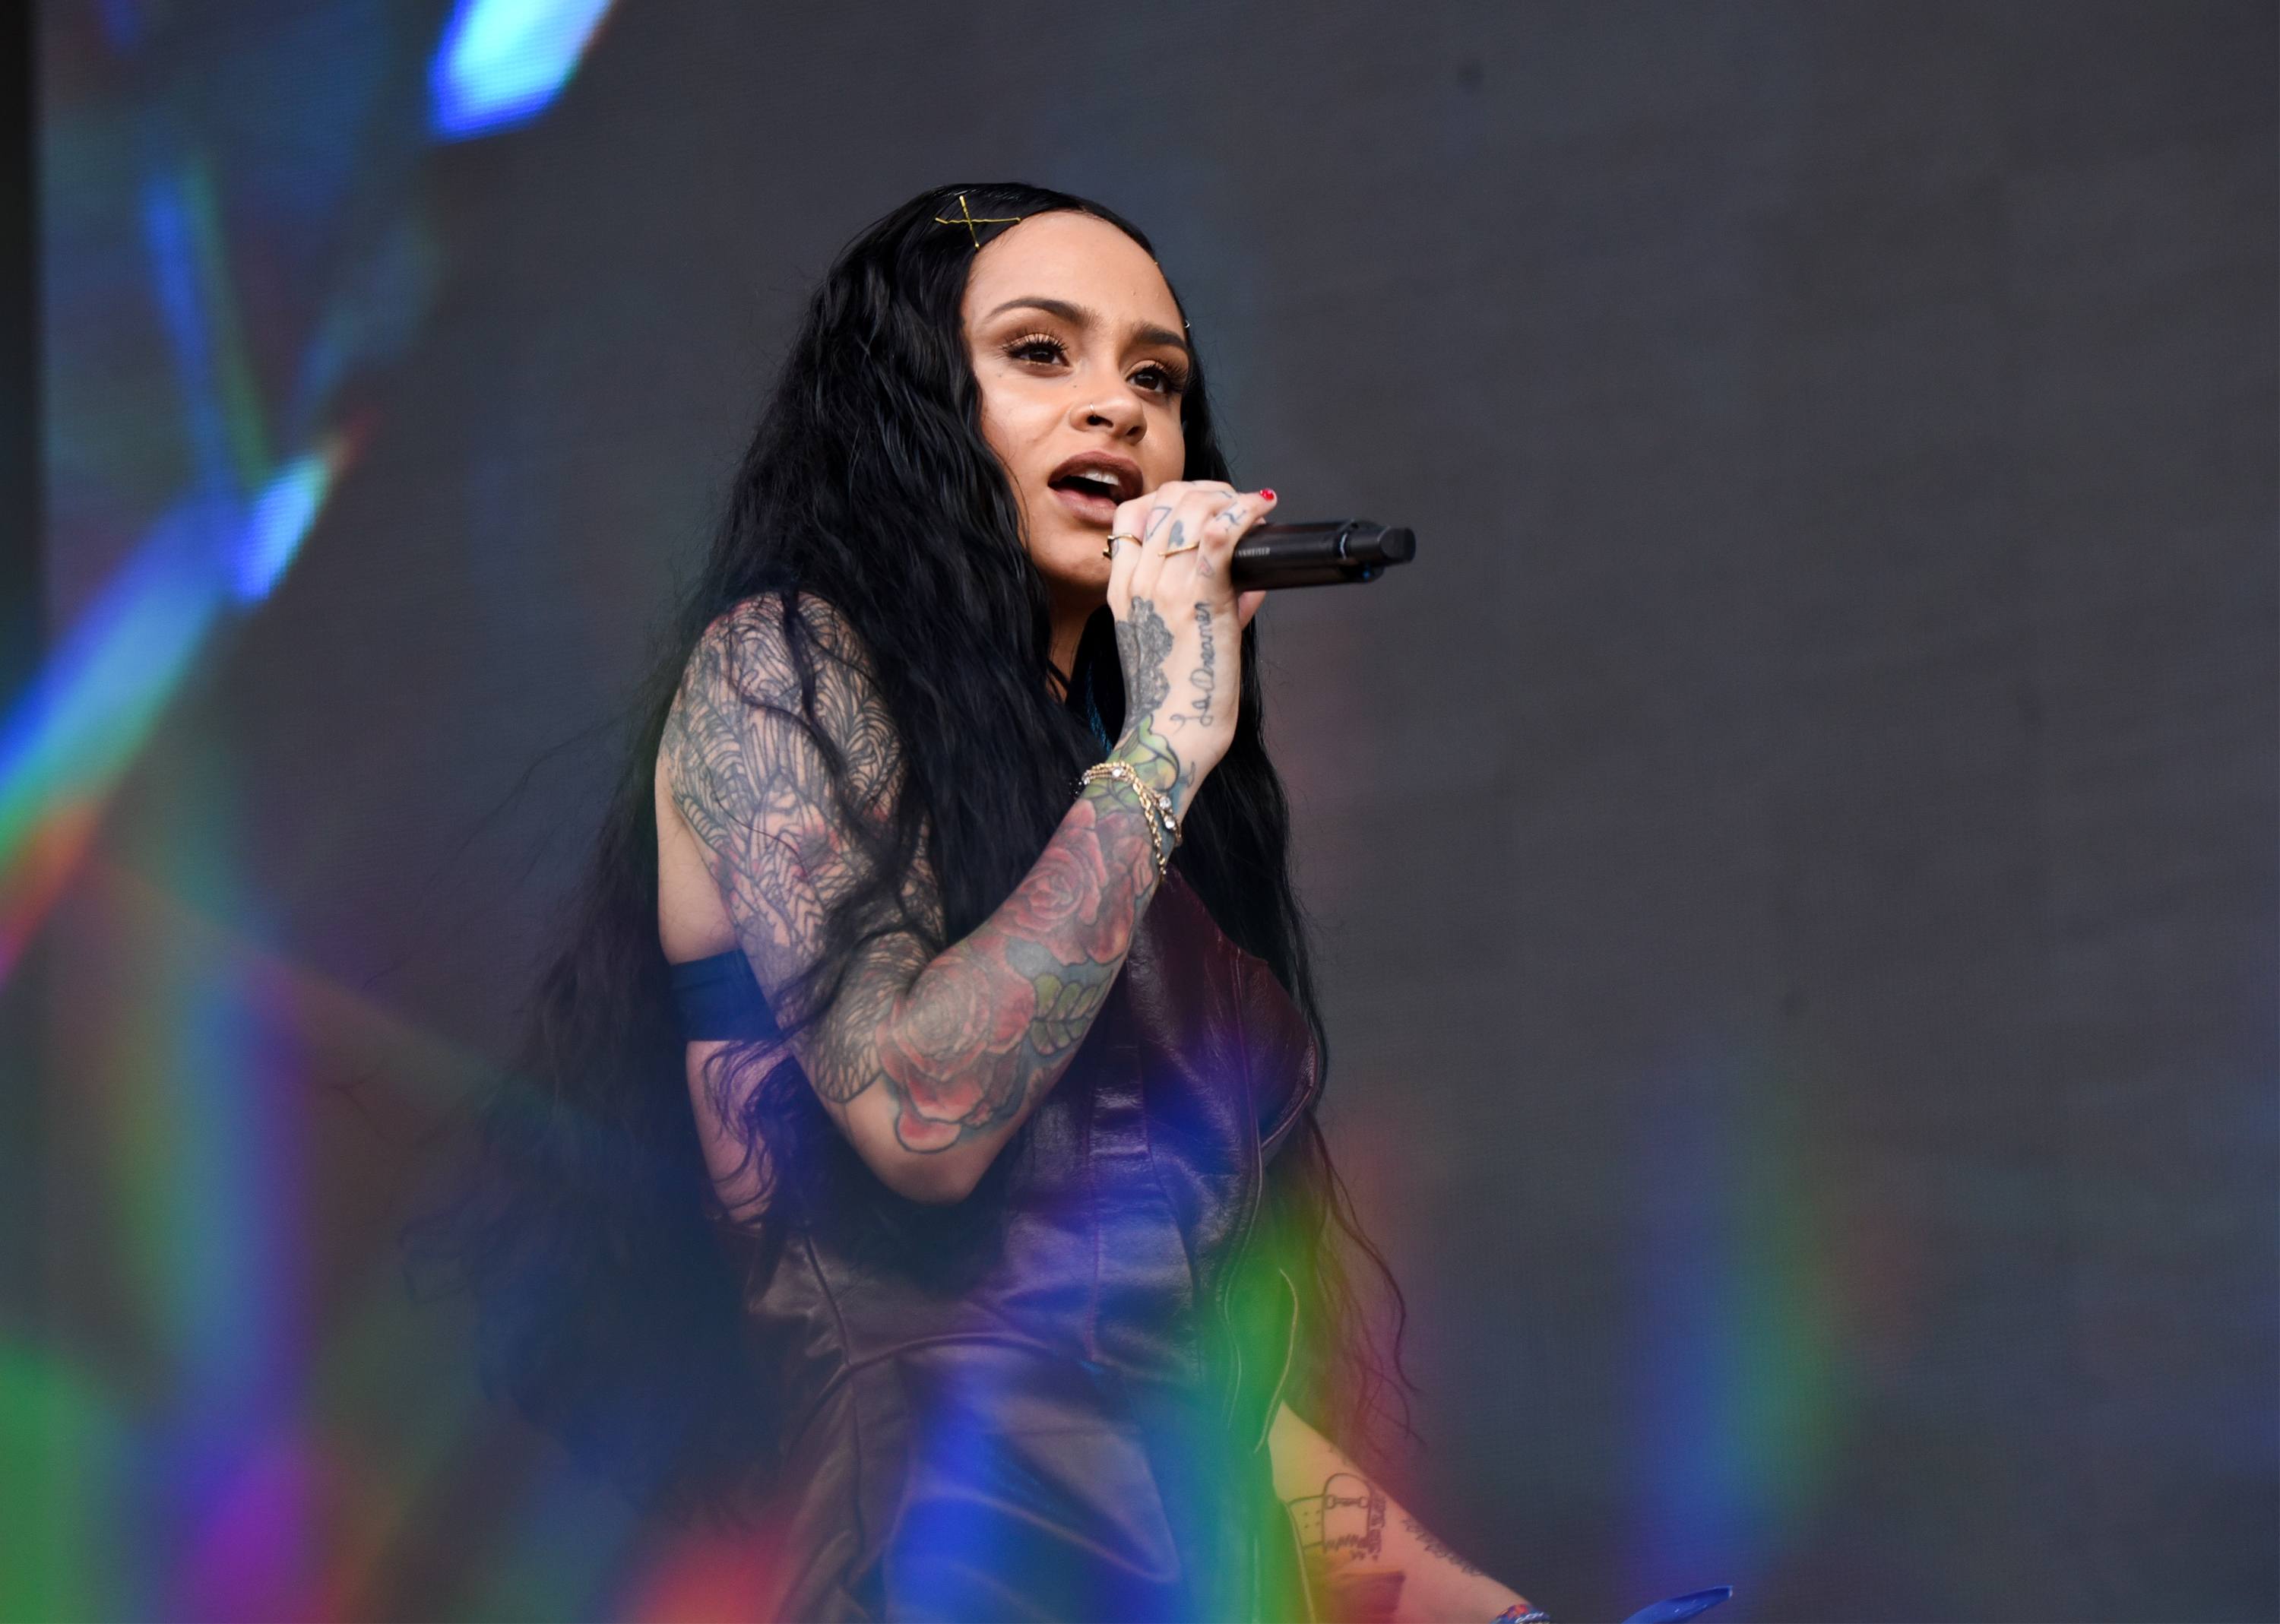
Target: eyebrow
{"type": "Point", "coordinates": [1076, 315]}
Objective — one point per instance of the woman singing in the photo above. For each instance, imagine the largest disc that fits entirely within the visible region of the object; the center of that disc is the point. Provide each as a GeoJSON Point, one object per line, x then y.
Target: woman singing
{"type": "Point", "coordinates": [919, 1128]}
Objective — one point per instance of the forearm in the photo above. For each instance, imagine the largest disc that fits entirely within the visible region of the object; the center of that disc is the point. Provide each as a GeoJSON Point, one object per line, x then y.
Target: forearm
{"type": "Point", "coordinates": [930, 1072]}
{"type": "Point", "coordinates": [1365, 1548]}
{"type": "Point", "coordinates": [926, 1061]}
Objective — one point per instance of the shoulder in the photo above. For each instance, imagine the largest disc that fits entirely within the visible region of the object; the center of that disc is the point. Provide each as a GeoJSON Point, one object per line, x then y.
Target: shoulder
{"type": "Point", "coordinates": [786, 683]}
{"type": "Point", "coordinates": [771, 650]}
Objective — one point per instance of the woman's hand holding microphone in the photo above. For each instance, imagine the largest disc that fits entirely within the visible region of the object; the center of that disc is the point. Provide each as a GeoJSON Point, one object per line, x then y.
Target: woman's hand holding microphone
{"type": "Point", "coordinates": [1179, 629]}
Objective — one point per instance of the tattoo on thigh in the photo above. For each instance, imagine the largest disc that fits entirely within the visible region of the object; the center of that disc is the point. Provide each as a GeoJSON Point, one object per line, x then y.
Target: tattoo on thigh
{"type": "Point", "coordinates": [1353, 1520]}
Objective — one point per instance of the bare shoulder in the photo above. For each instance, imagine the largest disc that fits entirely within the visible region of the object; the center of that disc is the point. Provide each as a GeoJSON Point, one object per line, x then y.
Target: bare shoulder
{"type": "Point", "coordinates": [806, 664]}
{"type": "Point", "coordinates": [747, 653]}
{"type": "Point", "coordinates": [768, 697]}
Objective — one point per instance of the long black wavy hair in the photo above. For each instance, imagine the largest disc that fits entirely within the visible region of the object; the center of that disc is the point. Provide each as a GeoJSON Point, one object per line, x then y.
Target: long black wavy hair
{"type": "Point", "coordinates": [609, 1310]}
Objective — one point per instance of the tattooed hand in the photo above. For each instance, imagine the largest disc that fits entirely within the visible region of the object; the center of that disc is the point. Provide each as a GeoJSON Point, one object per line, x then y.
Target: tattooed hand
{"type": "Point", "coordinates": [1179, 628]}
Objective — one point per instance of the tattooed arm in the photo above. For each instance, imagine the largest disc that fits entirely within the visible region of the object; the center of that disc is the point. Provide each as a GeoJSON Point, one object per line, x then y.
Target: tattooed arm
{"type": "Point", "coordinates": [1367, 1557]}
{"type": "Point", "coordinates": [926, 1061]}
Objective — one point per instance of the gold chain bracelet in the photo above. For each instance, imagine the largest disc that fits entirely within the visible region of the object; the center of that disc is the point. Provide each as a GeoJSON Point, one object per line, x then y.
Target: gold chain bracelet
{"type": "Point", "coordinates": [1163, 828]}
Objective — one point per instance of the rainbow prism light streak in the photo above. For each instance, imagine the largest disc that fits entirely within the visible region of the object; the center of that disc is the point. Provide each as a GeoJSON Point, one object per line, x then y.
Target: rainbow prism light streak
{"type": "Point", "coordinates": [1739, 1380]}
{"type": "Point", "coordinates": [219, 548]}
{"type": "Point", "coordinates": [228, 541]}
{"type": "Point", "coordinates": [185, 1432]}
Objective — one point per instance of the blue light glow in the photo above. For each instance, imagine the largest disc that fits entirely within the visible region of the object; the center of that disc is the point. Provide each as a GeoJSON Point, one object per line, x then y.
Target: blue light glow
{"type": "Point", "coordinates": [502, 61]}
{"type": "Point", "coordinates": [281, 518]}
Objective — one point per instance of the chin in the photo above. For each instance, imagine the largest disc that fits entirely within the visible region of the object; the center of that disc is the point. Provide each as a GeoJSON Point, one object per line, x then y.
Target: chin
{"type": "Point", "coordinates": [1074, 564]}
{"type": "Point", "coordinates": [1078, 586]}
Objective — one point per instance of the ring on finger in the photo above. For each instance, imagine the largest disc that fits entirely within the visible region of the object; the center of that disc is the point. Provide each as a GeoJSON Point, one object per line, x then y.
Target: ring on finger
{"type": "Point", "coordinates": [1231, 512]}
{"type": "Point", "coordinates": [1108, 548]}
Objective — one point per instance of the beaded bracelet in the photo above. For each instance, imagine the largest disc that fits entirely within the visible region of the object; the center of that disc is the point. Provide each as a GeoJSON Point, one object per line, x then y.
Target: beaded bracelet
{"type": "Point", "coordinates": [1163, 827]}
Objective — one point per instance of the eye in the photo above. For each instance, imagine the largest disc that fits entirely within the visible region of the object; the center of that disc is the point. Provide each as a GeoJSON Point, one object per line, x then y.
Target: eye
{"type": "Point", "coordinates": [1037, 350]}
{"type": "Point", "coordinates": [1158, 378]}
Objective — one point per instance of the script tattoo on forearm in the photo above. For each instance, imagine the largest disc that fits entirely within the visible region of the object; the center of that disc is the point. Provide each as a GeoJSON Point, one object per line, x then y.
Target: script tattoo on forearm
{"type": "Point", "coordinates": [960, 1040]}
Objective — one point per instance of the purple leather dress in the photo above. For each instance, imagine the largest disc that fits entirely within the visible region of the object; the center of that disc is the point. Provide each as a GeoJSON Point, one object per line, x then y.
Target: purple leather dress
{"type": "Point", "coordinates": [1051, 1415]}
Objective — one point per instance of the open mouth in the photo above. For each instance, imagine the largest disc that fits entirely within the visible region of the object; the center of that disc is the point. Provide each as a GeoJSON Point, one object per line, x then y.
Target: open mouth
{"type": "Point", "coordinates": [1097, 481]}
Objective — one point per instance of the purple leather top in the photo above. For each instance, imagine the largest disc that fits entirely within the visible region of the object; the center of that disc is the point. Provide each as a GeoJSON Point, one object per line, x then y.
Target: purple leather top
{"type": "Point", "coordinates": [1044, 1423]}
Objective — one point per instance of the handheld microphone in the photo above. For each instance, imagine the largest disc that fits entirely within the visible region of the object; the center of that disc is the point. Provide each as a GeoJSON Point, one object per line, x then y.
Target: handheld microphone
{"type": "Point", "coordinates": [1321, 554]}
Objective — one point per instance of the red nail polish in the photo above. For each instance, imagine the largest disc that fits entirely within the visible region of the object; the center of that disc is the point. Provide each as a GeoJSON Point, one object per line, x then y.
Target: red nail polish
{"type": "Point", "coordinates": [1269, 495]}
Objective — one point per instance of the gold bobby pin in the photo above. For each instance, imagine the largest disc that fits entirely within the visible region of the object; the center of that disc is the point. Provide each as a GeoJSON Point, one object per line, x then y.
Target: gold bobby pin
{"type": "Point", "coordinates": [966, 219]}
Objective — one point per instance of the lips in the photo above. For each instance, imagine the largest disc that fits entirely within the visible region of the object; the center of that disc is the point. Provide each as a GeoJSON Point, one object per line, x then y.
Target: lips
{"type": "Point", "coordinates": [1094, 482]}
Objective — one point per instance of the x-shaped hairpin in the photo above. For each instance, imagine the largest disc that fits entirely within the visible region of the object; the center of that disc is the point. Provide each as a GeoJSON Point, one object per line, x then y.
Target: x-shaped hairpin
{"type": "Point", "coordinates": [966, 219]}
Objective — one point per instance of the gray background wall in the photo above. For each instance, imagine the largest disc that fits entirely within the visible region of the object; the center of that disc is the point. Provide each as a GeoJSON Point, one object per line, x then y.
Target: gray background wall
{"type": "Point", "coordinates": [1795, 855]}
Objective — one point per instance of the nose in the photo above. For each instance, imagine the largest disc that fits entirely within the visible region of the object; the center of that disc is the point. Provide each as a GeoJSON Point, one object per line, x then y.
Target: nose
{"type": "Point", "coordinates": [1117, 412]}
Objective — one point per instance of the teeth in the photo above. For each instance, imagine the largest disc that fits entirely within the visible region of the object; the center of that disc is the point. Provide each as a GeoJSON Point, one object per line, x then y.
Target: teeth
{"type": "Point", "coordinates": [1095, 477]}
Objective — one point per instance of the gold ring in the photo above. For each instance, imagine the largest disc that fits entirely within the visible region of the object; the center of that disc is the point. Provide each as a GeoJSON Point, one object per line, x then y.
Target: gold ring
{"type": "Point", "coordinates": [1108, 548]}
{"type": "Point", "coordinates": [1199, 542]}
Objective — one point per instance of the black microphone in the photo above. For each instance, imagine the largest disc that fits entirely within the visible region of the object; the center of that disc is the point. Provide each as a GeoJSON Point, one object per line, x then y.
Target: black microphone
{"type": "Point", "coordinates": [1321, 554]}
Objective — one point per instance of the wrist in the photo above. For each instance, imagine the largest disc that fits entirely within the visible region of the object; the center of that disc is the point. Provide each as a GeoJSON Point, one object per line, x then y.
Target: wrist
{"type": "Point", "coordinates": [1172, 773]}
{"type": "Point", "coordinates": [1121, 778]}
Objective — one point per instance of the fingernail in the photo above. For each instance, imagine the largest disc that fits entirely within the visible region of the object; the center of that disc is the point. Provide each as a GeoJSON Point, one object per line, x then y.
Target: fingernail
{"type": "Point", "coordinates": [1269, 495]}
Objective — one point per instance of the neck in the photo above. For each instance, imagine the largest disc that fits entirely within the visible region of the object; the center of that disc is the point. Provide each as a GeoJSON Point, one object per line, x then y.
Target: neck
{"type": "Point", "coordinates": [1069, 619]}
